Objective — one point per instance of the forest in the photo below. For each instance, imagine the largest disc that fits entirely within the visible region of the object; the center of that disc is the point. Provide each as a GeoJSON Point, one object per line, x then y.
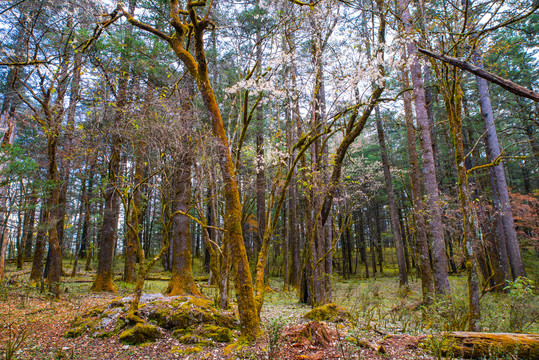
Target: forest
{"type": "Point", "coordinates": [269, 179]}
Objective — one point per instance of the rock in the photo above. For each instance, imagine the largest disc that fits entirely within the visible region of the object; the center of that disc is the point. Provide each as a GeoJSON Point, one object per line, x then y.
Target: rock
{"type": "Point", "coordinates": [79, 327]}
{"type": "Point", "coordinates": [144, 298]}
{"type": "Point", "coordinates": [186, 311]}
{"type": "Point", "coordinates": [217, 333]}
{"type": "Point", "coordinates": [193, 319]}
{"type": "Point", "coordinates": [204, 335]}
{"type": "Point", "coordinates": [140, 334]}
{"type": "Point", "coordinates": [329, 312]}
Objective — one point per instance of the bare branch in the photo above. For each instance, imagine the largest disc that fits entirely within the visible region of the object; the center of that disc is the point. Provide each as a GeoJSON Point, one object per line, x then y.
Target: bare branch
{"type": "Point", "coordinates": [24, 63]}
{"type": "Point", "coordinates": [464, 65]}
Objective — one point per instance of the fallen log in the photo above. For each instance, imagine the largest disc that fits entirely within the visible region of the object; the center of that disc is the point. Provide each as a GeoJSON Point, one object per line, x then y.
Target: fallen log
{"type": "Point", "coordinates": [365, 344]}
{"type": "Point", "coordinates": [14, 261]}
{"type": "Point", "coordinates": [369, 345]}
{"type": "Point", "coordinates": [481, 345]}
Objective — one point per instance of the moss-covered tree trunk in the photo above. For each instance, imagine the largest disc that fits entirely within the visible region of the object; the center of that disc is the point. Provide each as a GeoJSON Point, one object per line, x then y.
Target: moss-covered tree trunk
{"type": "Point", "coordinates": [86, 236]}
{"type": "Point", "coordinates": [250, 325]}
{"type": "Point", "coordinates": [452, 101]}
{"type": "Point", "coordinates": [259, 159]}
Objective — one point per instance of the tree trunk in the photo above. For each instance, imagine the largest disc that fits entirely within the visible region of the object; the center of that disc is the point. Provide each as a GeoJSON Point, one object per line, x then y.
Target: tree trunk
{"type": "Point", "coordinates": [181, 282]}
{"type": "Point", "coordinates": [131, 241]}
{"type": "Point", "coordinates": [452, 104]}
{"type": "Point", "coordinates": [85, 237]}
{"type": "Point", "coordinates": [259, 158]}
{"type": "Point", "coordinates": [107, 241]}
{"type": "Point", "coordinates": [51, 216]}
{"type": "Point", "coordinates": [420, 230]}
{"type": "Point", "coordinates": [502, 205]}
{"type": "Point", "coordinates": [78, 239]}
{"type": "Point", "coordinates": [37, 263]}
{"type": "Point", "coordinates": [29, 227]}
{"type": "Point", "coordinates": [103, 281]}
{"type": "Point", "coordinates": [361, 242]}
{"type": "Point", "coordinates": [22, 223]}
{"type": "Point", "coordinates": [394, 216]}
{"type": "Point", "coordinates": [441, 278]}
{"type": "Point", "coordinates": [68, 143]}
{"type": "Point", "coordinates": [198, 67]}
{"type": "Point", "coordinates": [3, 245]}
{"type": "Point", "coordinates": [293, 125]}
{"type": "Point", "coordinates": [7, 122]}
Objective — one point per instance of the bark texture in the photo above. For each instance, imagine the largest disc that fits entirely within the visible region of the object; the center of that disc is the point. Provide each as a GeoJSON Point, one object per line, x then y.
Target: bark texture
{"type": "Point", "coordinates": [420, 229]}
{"type": "Point", "coordinates": [502, 201]}
{"type": "Point", "coordinates": [441, 278]}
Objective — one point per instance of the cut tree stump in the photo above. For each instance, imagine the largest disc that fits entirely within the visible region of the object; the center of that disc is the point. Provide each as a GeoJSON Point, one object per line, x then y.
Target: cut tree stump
{"type": "Point", "coordinates": [475, 345]}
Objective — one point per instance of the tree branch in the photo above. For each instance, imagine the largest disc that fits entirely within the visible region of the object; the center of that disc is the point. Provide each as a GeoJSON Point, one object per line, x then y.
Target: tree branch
{"type": "Point", "coordinates": [24, 63]}
{"type": "Point", "coordinates": [464, 65]}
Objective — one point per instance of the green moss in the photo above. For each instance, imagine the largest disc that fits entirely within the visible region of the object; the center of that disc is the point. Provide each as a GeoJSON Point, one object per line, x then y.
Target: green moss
{"type": "Point", "coordinates": [178, 333]}
{"type": "Point", "coordinates": [107, 314]}
{"type": "Point", "coordinates": [75, 332]}
{"type": "Point", "coordinates": [186, 351]}
{"type": "Point", "coordinates": [134, 318]}
{"type": "Point", "coordinates": [139, 334]}
{"type": "Point", "coordinates": [161, 316]}
{"type": "Point", "coordinates": [236, 346]}
{"type": "Point", "coordinates": [93, 312]}
{"type": "Point", "coordinates": [79, 327]}
{"type": "Point", "coordinates": [218, 333]}
{"type": "Point", "coordinates": [115, 331]}
{"type": "Point", "coordinates": [329, 312]}
{"type": "Point", "coordinates": [190, 301]}
{"type": "Point", "coordinates": [188, 311]}
{"type": "Point", "coordinates": [116, 303]}
{"type": "Point", "coordinates": [189, 339]}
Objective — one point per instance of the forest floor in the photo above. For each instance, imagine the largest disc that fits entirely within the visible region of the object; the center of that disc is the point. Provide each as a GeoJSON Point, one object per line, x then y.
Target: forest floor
{"type": "Point", "coordinates": [385, 316]}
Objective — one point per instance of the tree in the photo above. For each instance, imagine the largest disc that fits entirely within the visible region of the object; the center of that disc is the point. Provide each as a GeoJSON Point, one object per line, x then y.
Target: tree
{"type": "Point", "coordinates": [441, 279]}
{"type": "Point", "coordinates": [198, 68]}
{"type": "Point", "coordinates": [394, 216]}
